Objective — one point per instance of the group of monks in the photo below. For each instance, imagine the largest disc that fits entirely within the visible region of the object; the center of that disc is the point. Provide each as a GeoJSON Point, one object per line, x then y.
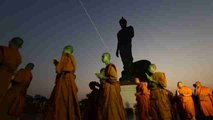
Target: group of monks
{"type": "Point", "coordinates": [13, 82]}
{"type": "Point", "coordinates": [63, 103]}
{"type": "Point", "coordinates": [155, 102]}
{"type": "Point", "coordinates": [105, 102]}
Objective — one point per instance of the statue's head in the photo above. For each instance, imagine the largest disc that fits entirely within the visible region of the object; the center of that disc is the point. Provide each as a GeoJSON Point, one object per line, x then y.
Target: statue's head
{"type": "Point", "coordinates": [68, 50]}
{"type": "Point", "coordinates": [180, 84]}
{"type": "Point", "coordinates": [123, 22]}
{"type": "Point", "coordinates": [106, 58]}
{"type": "Point", "coordinates": [16, 42]}
{"type": "Point", "coordinates": [29, 66]}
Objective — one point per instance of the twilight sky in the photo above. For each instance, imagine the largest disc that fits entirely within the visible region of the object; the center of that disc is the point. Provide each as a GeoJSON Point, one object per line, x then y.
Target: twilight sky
{"type": "Point", "coordinates": [176, 35]}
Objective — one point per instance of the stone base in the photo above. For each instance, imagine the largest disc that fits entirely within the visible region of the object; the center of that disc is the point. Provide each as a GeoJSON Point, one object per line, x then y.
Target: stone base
{"type": "Point", "coordinates": [128, 95]}
{"type": "Point", "coordinates": [128, 91]}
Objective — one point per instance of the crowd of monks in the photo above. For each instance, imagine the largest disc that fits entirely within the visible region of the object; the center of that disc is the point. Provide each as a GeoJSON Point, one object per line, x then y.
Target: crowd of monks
{"type": "Point", "coordinates": [154, 101]}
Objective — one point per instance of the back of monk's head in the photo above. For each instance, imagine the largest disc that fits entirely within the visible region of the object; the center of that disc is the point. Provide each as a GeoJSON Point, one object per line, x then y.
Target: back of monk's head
{"type": "Point", "coordinates": [107, 54]}
{"type": "Point", "coordinates": [16, 42]}
{"type": "Point", "coordinates": [29, 66]}
{"type": "Point", "coordinates": [92, 85]}
{"type": "Point", "coordinates": [68, 50]}
{"type": "Point", "coordinates": [180, 84]}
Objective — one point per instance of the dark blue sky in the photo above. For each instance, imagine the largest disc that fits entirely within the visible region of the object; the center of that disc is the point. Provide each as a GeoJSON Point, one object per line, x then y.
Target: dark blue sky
{"type": "Point", "coordinates": [174, 34]}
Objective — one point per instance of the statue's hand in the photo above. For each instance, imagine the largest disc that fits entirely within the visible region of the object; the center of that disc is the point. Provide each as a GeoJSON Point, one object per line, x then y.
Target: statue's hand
{"type": "Point", "coordinates": [117, 54]}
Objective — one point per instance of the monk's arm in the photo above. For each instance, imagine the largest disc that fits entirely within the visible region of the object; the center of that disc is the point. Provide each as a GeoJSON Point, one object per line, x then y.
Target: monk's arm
{"type": "Point", "coordinates": [74, 63]}
{"type": "Point", "coordinates": [210, 94]}
{"type": "Point", "coordinates": [102, 77]}
{"type": "Point", "coordinates": [150, 79]}
{"type": "Point", "coordinates": [161, 82]}
{"type": "Point", "coordinates": [18, 60]}
{"type": "Point", "coordinates": [188, 93]}
{"type": "Point", "coordinates": [19, 77]}
{"type": "Point", "coordinates": [1, 55]}
{"type": "Point", "coordinates": [112, 75]}
{"type": "Point", "coordinates": [117, 50]}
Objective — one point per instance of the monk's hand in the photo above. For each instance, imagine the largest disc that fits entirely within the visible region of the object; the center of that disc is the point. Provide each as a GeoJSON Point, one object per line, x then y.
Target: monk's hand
{"type": "Point", "coordinates": [55, 62]}
{"type": "Point", "coordinates": [97, 75]}
{"type": "Point", "coordinates": [149, 77]}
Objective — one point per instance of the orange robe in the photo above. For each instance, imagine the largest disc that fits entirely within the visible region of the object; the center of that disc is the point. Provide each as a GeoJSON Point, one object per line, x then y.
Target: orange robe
{"type": "Point", "coordinates": [206, 102]}
{"type": "Point", "coordinates": [111, 102]}
{"type": "Point", "coordinates": [63, 103]}
{"type": "Point", "coordinates": [14, 101]}
{"type": "Point", "coordinates": [160, 103]}
{"type": "Point", "coordinates": [187, 102]}
{"type": "Point", "coordinates": [142, 98]}
{"type": "Point", "coordinates": [10, 59]}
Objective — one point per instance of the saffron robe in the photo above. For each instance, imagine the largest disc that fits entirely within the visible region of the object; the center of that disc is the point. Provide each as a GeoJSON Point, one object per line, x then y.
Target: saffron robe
{"type": "Point", "coordinates": [161, 108]}
{"type": "Point", "coordinates": [206, 102]}
{"type": "Point", "coordinates": [10, 59]}
{"type": "Point", "coordinates": [143, 101]}
{"type": "Point", "coordinates": [187, 102]}
{"type": "Point", "coordinates": [13, 102]}
{"type": "Point", "coordinates": [111, 104]}
{"type": "Point", "coordinates": [63, 103]}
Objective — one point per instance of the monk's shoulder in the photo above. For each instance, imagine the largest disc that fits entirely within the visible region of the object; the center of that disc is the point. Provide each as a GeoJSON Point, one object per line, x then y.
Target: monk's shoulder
{"type": "Point", "coordinates": [187, 88]}
{"type": "Point", "coordinates": [205, 88]}
{"type": "Point", "coordinates": [112, 66]}
{"type": "Point", "coordinates": [159, 74]}
{"type": "Point", "coordinates": [21, 70]}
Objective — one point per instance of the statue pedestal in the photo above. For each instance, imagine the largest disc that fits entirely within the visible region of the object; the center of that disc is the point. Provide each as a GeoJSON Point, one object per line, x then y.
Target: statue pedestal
{"type": "Point", "coordinates": [128, 95]}
{"type": "Point", "coordinates": [129, 100]}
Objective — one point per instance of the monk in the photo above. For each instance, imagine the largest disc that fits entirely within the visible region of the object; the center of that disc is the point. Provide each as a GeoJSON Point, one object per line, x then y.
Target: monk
{"type": "Point", "coordinates": [205, 99]}
{"type": "Point", "coordinates": [185, 95]}
{"type": "Point", "coordinates": [13, 102]}
{"type": "Point", "coordinates": [10, 59]}
{"type": "Point", "coordinates": [112, 107]}
{"type": "Point", "coordinates": [159, 100]}
{"type": "Point", "coordinates": [142, 98]}
{"type": "Point", "coordinates": [92, 106]}
{"type": "Point", "coordinates": [63, 103]}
